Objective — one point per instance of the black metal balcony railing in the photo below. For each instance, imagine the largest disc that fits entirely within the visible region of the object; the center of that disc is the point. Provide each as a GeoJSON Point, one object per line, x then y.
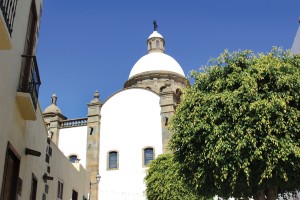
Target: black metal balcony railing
{"type": "Point", "coordinates": [8, 8]}
{"type": "Point", "coordinates": [34, 81]}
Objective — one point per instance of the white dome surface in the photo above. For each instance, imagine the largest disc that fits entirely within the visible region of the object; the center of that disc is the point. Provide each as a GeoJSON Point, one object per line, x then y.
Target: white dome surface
{"type": "Point", "coordinates": [156, 61]}
{"type": "Point", "coordinates": [155, 34]}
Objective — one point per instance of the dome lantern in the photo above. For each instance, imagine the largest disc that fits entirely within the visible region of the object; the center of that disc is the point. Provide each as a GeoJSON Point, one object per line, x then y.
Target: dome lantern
{"type": "Point", "coordinates": [156, 60]}
{"type": "Point", "coordinates": [52, 108]}
{"type": "Point", "coordinates": [156, 42]}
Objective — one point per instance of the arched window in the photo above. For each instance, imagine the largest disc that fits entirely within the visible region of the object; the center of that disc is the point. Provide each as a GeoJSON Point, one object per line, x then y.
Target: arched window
{"type": "Point", "coordinates": [73, 158]}
{"type": "Point", "coordinates": [113, 160]}
{"type": "Point", "coordinates": [157, 44]}
{"type": "Point", "coordinates": [162, 88]}
{"type": "Point", "coordinates": [178, 94]}
{"type": "Point", "coordinates": [148, 155]}
{"type": "Point", "coordinates": [150, 45]}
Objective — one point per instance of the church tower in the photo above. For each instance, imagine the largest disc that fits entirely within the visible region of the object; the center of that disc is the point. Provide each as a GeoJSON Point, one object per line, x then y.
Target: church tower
{"type": "Point", "coordinates": [53, 119]}
{"type": "Point", "coordinates": [162, 74]}
{"type": "Point", "coordinates": [93, 143]}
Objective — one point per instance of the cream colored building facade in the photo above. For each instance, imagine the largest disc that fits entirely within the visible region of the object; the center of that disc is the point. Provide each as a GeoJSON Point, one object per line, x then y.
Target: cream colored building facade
{"type": "Point", "coordinates": [31, 165]}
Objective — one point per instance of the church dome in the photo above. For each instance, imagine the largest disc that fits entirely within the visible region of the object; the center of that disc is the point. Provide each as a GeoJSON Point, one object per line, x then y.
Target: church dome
{"type": "Point", "coordinates": [52, 108]}
{"type": "Point", "coordinates": [156, 61]}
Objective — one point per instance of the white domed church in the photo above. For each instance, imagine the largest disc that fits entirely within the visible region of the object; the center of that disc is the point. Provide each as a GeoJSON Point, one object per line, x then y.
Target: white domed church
{"type": "Point", "coordinates": [121, 135]}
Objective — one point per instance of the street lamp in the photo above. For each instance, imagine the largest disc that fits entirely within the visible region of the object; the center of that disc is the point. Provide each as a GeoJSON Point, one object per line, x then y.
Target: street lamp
{"type": "Point", "coordinates": [98, 177]}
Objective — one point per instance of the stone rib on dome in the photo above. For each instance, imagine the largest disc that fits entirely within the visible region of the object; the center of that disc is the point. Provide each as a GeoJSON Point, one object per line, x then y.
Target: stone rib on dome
{"type": "Point", "coordinates": [156, 61]}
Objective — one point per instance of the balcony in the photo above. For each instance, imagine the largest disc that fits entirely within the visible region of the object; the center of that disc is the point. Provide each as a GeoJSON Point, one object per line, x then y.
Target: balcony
{"type": "Point", "coordinates": [28, 91]}
{"type": "Point", "coordinates": [7, 16]}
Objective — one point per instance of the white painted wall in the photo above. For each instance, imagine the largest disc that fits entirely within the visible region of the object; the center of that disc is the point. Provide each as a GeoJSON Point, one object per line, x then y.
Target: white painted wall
{"type": "Point", "coordinates": [73, 141]}
{"type": "Point", "coordinates": [130, 121]}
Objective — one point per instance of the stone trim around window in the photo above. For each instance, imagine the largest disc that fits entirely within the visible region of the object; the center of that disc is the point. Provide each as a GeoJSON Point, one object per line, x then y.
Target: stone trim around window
{"type": "Point", "coordinates": [143, 155]}
{"type": "Point", "coordinates": [108, 167]}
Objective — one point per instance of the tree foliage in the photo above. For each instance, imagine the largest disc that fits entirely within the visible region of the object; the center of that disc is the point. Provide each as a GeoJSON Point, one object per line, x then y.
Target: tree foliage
{"type": "Point", "coordinates": [236, 132]}
{"type": "Point", "coordinates": [164, 182]}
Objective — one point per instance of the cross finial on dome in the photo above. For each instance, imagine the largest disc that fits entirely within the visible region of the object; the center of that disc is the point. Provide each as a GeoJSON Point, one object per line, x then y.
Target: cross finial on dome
{"type": "Point", "coordinates": [54, 99]}
{"type": "Point", "coordinates": [155, 25]}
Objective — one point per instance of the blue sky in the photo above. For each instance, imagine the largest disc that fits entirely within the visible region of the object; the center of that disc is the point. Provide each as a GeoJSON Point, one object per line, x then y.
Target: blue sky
{"type": "Point", "coordinates": [92, 45]}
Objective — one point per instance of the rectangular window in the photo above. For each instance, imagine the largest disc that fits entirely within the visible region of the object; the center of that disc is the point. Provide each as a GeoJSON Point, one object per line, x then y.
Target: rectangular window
{"type": "Point", "coordinates": [48, 154]}
{"type": "Point", "coordinates": [50, 151]}
{"type": "Point", "coordinates": [47, 158]}
{"type": "Point", "coordinates": [60, 188]}
{"type": "Point", "coordinates": [148, 155]}
{"type": "Point", "coordinates": [11, 174]}
{"type": "Point", "coordinates": [33, 187]}
{"type": "Point", "coordinates": [113, 160]}
{"type": "Point", "coordinates": [46, 189]}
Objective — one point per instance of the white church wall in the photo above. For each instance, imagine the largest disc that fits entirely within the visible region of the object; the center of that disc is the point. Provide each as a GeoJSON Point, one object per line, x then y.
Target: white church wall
{"type": "Point", "coordinates": [72, 141]}
{"type": "Point", "coordinates": [130, 121]}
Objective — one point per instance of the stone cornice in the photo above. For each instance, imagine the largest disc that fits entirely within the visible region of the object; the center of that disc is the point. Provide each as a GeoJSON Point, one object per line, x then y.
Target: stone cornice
{"type": "Point", "coordinates": [156, 75]}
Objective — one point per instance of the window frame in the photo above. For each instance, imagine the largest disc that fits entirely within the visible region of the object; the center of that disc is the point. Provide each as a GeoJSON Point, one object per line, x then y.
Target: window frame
{"type": "Point", "coordinates": [34, 184]}
{"type": "Point", "coordinates": [11, 154]}
{"type": "Point", "coordinates": [108, 160]}
{"type": "Point", "coordinates": [144, 155]}
{"type": "Point", "coordinates": [157, 45]}
{"type": "Point", "coordinates": [60, 189]}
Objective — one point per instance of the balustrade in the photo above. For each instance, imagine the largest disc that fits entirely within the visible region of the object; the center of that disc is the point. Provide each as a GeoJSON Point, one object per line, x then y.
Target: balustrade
{"type": "Point", "coordinates": [74, 123]}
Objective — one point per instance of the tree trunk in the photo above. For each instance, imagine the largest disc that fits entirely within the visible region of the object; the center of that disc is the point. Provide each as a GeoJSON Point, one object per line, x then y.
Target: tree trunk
{"type": "Point", "coordinates": [260, 195]}
{"type": "Point", "coordinates": [272, 193]}
{"type": "Point", "coordinates": [295, 196]}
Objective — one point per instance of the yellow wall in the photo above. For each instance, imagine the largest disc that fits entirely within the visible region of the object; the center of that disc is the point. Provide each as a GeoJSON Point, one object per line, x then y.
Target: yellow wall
{"type": "Point", "coordinates": [23, 133]}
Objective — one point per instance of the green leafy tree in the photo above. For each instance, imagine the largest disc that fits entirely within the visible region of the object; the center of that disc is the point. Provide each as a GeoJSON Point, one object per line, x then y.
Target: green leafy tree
{"type": "Point", "coordinates": [236, 132]}
{"type": "Point", "coordinates": [164, 182]}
